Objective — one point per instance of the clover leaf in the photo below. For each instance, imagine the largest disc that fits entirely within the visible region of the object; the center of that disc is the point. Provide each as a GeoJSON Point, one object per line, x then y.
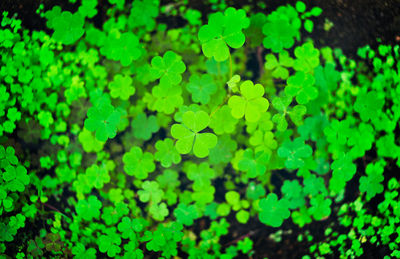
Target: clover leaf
{"type": "Point", "coordinates": [103, 119]}
{"type": "Point", "coordinates": [16, 178]}
{"type": "Point", "coordinates": [167, 153]}
{"type": "Point", "coordinates": [143, 126]}
{"type": "Point", "coordinates": [201, 88]}
{"type": "Point", "coordinates": [168, 68]}
{"type": "Point", "coordinates": [89, 209]}
{"type": "Point", "coordinates": [251, 104]}
{"type": "Point", "coordinates": [159, 211]}
{"type": "Point", "coordinates": [222, 121]}
{"type": "Point", "coordinates": [295, 152]}
{"type": "Point", "coordinates": [293, 192]}
{"type": "Point", "coordinates": [167, 99]}
{"type": "Point", "coordinates": [185, 214]}
{"type": "Point", "coordinates": [151, 192]}
{"type": "Point", "coordinates": [143, 13]}
{"type": "Point", "coordinates": [13, 114]}
{"type": "Point", "coordinates": [89, 141]}
{"type": "Point", "coordinates": [68, 27]}
{"type": "Point", "coordinates": [189, 137]}
{"type": "Point", "coordinates": [273, 211]}
{"type": "Point", "coordinates": [138, 163]}
{"type": "Point", "coordinates": [51, 14]}
{"type": "Point", "coordinates": [301, 85]}
{"type": "Point", "coordinates": [279, 68]}
{"type": "Point", "coordinates": [121, 87]}
{"type": "Point", "coordinates": [314, 185]}
{"type": "Point", "coordinates": [254, 31]}
{"type": "Point", "coordinates": [81, 252]}
{"type": "Point", "coordinates": [369, 105]}
{"type": "Point", "coordinates": [7, 156]}
{"type": "Point", "coordinates": [109, 244]}
{"type": "Point", "coordinates": [254, 191]}
{"type": "Point", "coordinates": [129, 227]}
{"type": "Point", "coordinates": [372, 183]}
{"type": "Point", "coordinates": [254, 163]}
{"type": "Point", "coordinates": [222, 152]}
{"type": "Point", "coordinates": [301, 217]}
{"type": "Point", "coordinates": [97, 175]}
{"type": "Point", "coordinates": [307, 58]}
{"type": "Point", "coordinates": [361, 141]}
{"type": "Point", "coordinates": [123, 47]}
{"type": "Point", "coordinates": [343, 167]}
{"type": "Point", "coordinates": [223, 30]}
{"type": "Point", "coordinates": [279, 34]}
{"type": "Point", "coordinates": [320, 207]}
{"type": "Point", "coordinates": [88, 8]}
{"type": "Point", "coordinates": [112, 214]}
{"type": "Point", "coordinates": [201, 174]}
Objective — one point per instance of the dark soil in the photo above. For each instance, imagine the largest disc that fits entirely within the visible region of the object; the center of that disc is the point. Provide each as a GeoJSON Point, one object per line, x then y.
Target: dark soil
{"type": "Point", "coordinates": [356, 23]}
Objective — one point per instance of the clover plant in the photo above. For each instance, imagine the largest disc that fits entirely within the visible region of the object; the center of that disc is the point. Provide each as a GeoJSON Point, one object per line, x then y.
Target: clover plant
{"type": "Point", "coordinates": [139, 129]}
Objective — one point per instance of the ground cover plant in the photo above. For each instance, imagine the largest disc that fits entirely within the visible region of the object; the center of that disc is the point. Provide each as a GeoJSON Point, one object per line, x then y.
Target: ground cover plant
{"type": "Point", "coordinates": [139, 138]}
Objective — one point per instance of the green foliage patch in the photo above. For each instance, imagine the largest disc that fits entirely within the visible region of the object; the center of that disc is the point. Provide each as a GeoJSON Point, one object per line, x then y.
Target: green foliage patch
{"type": "Point", "coordinates": [138, 138]}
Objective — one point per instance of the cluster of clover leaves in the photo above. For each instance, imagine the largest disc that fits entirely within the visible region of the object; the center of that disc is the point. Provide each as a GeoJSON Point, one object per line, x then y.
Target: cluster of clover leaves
{"type": "Point", "coordinates": [119, 141]}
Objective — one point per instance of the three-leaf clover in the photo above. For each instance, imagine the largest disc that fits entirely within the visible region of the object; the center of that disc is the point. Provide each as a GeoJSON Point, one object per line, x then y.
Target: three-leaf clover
{"type": "Point", "coordinates": [89, 209]}
{"type": "Point", "coordinates": [282, 105]}
{"type": "Point", "coordinates": [81, 252]}
{"type": "Point", "coordinates": [15, 178]}
{"type": "Point", "coordinates": [68, 27]}
{"type": "Point", "coordinates": [320, 207]}
{"type": "Point", "coordinates": [307, 58]}
{"type": "Point", "coordinates": [254, 31]}
{"type": "Point", "coordinates": [151, 192]}
{"type": "Point", "coordinates": [123, 47]}
{"type": "Point", "coordinates": [143, 126]}
{"type": "Point", "coordinates": [201, 88]}
{"type": "Point", "coordinates": [372, 183]}
{"type": "Point", "coordinates": [254, 163]}
{"type": "Point", "coordinates": [369, 105]}
{"type": "Point", "coordinates": [168, 68]}
{"type": "Point", "coordinates": [301, 85]}
{"type": "Point", "coordinates": [279, 68]}
{"type": "Point", "coordinates": [97, 175]}
{"type": "Point", "coordinates": [273, 211]}
{"type": "Point", "coordinates": [7, 156]}
{"type": "Point", "coordinates": [121, 87]}
{"type": "Point", "coordinates": [222, 121]}
{"type": "Point", "coordinates": [189, 137]}
{"type": "Point", "coordinates": [138, 163]}
{"type": "Point", "coordinates": [251, 104]}
{"type": "Point", "coordinates": [159, 211]}
{"type": "Point", "coordinates": [295, 152]}
{"type": "Point", "coordinates": [129, 227]}
{"type": "Point", "coordinates": [110, 244]}
{"type": "Point", "coordinates": [223, 30]}
{"type": "Point", "coordinates": [166, 153]}
{"type": "Point", "coordinates": [185, 214]}
{"type": "Point", "coordinates": [103, 119]}
{"type": "Point", "coordinates": [279, 34]}
{"type": "Point", "coordinates": [293, 192]}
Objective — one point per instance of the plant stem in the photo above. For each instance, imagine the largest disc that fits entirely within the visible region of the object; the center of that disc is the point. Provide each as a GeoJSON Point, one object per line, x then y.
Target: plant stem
{"type": "Point", "coordinates": [230, 66]}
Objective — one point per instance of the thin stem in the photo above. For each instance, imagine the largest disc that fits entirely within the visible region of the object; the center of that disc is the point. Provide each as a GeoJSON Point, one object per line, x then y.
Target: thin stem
{"type": "Point", "coordinates": [249, 234]}
{"type": "Point", "coordinates": [219, 106]}
{"type": "Point", "coordinates": [230, 66]}
{"type": "Point", "coordinates": [54, 209]}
